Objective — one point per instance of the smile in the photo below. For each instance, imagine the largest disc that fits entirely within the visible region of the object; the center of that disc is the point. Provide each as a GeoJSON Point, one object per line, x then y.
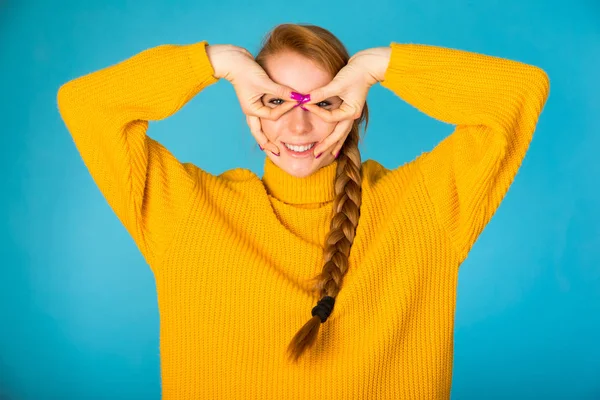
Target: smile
{"type": "Point", "coordinates": [299, 150]}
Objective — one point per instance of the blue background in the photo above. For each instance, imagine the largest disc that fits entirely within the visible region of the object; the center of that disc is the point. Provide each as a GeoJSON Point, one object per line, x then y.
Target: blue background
{"type": "Point", "coordinates": [78, 313]}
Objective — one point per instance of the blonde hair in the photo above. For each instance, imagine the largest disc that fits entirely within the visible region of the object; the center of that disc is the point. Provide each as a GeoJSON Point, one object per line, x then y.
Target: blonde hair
{"type": "Point", "coordinates": [322, 47]}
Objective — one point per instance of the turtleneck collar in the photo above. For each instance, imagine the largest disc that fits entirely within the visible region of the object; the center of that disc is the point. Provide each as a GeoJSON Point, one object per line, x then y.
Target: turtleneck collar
{"type": "Point", "coordinates": [315, 188]}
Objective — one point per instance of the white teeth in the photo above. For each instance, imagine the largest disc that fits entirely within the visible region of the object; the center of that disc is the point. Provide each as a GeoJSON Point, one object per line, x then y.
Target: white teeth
{"type": "Point", "coordinates": [299, 149]}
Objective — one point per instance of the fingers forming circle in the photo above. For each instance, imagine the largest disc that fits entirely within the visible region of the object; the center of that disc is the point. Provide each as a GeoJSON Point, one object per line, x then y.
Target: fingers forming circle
{"type": "Point", "coordinates": [272, 114]}
{"type": "Point", "coordinates": [344, 112]}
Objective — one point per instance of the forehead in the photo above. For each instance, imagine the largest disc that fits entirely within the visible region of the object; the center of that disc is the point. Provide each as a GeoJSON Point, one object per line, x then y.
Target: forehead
{"type": "Point", "coordinates": [296, 71]}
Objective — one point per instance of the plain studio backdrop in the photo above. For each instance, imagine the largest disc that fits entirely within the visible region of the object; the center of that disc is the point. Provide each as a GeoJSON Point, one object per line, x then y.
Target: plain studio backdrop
{"type": "Point", "coordinates": [78, 312]}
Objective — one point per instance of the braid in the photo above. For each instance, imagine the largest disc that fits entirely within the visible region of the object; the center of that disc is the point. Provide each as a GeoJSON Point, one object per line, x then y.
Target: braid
{"type": "Point", "coordinates": [337, 244]}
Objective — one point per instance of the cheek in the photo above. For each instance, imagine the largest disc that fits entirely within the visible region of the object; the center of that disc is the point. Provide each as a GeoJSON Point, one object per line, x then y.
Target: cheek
{"type": "Point", "coordinates": [324, 128]}
{"type": "Point", "coordinates": [269, 128]}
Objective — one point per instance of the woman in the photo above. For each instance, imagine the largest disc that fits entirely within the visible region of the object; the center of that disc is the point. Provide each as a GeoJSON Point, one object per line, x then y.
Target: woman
{"type": "Point", "coordinates": [239, 260]}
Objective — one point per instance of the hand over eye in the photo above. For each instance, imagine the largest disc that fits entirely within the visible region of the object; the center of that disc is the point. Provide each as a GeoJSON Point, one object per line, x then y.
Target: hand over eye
{"type": "Point", "coordinates": [351, 84]}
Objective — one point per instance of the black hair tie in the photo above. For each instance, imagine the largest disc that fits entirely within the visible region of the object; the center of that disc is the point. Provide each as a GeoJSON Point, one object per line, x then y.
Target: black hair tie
{"type": "Point", "coordinates": [324, 308]}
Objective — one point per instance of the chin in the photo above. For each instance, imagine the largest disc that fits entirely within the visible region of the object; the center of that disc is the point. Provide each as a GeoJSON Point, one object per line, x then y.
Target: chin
{"type": "Point", "coordinates": [297, 168]}
{"type": "Point", "coordinates": [299, 171]}
{"type": "Point", "coordinates": [302, 173]}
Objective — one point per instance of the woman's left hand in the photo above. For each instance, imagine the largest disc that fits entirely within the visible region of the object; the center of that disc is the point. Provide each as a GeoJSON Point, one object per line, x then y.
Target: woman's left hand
{"type": "Point", "coordinates": [351, 84]}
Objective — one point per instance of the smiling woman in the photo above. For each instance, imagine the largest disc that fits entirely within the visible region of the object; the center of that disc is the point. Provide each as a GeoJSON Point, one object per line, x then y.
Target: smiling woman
{"type": "Point", "coordinates": [239, 260]}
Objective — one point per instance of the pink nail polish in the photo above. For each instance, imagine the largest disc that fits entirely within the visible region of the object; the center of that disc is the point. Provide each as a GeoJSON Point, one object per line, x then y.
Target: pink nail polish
{"type": "Point", "coordinates": [301, 99]}
{"type": "Point", "coordinates": [337, 154]}
{"type": "Point", "coordinates": [261, 148]}
{"type": "Point", "coordinates": [318, 155]}
{"type": "Point", "coordinates": [275, 154]}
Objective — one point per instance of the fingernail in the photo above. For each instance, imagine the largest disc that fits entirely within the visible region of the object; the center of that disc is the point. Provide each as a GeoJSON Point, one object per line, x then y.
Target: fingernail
{"type": "Point", "coordinates": [261, 148]}
{"type": "Point", "coordinates": [337, 154]}
{"type": "Point", "coordinates": [319, 155]}
{"type": "Point", "coordinates": [275, 154]}
{"type": "Point", "coordinates": [300, 97]}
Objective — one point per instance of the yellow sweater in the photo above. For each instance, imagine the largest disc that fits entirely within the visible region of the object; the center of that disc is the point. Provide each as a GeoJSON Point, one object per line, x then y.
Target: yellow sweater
{"type": "Point", "coordinates": [233, 254]}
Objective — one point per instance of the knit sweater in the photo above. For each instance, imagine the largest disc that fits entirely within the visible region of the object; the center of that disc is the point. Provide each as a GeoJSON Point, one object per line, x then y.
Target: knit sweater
{"type": "Point", "coordinates": [233, 254]}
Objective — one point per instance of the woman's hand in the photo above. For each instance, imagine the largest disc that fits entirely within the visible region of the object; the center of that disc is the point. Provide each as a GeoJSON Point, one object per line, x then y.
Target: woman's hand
{"type": "Point", "coordinates": [251, 83]}
{"type": "Point", "coordinates": [351, 84]}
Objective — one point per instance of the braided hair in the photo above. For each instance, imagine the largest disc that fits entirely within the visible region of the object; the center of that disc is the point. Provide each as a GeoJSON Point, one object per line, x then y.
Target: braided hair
{"type": "Point", "coordinates": [321, 46]}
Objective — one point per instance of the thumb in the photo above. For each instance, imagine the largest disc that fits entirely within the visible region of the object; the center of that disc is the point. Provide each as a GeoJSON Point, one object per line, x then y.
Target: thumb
{"type": "Point", "coordinates": [324, 92]}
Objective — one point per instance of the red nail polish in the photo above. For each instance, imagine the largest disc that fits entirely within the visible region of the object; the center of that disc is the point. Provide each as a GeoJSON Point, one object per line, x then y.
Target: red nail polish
{"type": "Point", "coordinates": [275, 154]}
{"type": "Point", "coordinates": [318, 155]}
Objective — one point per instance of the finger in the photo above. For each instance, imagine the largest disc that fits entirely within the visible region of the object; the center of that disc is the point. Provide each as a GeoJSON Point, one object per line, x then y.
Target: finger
{"type": "Point", "coordinates": [255, 129]}
{"type": "Point", "coordinates": [259, 136]}
{"type": "Point", "coordinates": [324, 92]}
{"type": "Point", "coordinates": [339, 133]}
{"type": "Point", "coordinates": [271, 113]}
{"type": "Point", "coordinates": [281, 91]}
{"type": "Point", "coordinates": [338, 146]}
{"type": "Point", "coordinates": [281, 109]}
{"type": "Point", "coordinates": [335, 149]}
{"type": "Point", "coordinates": [320, 112]}
{"type": "Point", "coordinates": [344, 112]}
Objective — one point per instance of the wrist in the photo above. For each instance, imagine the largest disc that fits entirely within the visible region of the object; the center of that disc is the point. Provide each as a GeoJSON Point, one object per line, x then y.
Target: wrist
{"type": "Point", "coordinates": [215, 55]}
{"type": "Point", "coordinates": [385, 57]}
{"type": "Point", "coordinates": [221, 56]}
{"type": "Point", "coordinates": [376, 60]}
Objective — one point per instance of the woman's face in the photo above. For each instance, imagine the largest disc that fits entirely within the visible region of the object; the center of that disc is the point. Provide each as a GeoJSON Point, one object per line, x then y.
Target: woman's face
{"type": "Point", "coordinates": [297, 127]}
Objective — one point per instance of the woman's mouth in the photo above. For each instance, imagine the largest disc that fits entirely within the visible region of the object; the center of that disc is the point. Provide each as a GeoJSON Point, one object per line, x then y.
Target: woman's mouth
{"type": "Point", "coordinates": [299, 151]}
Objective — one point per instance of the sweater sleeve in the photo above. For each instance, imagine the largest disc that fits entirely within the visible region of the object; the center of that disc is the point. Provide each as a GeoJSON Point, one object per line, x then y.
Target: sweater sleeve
{"type": "Point", "coordinates": [107, 114]}
{"type": "Point", "coordinates": [494, 104]}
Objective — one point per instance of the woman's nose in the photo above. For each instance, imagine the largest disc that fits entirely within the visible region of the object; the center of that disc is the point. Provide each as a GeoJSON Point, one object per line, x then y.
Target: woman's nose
{"type": "Point", "coordinates": [299, 120]}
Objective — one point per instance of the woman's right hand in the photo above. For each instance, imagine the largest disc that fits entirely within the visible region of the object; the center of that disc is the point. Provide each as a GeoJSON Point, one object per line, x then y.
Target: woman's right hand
{"type": "Point", "coordinates": [251, 83]}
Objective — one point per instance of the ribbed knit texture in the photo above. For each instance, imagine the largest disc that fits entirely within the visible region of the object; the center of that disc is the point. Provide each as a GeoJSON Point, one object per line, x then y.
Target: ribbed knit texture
{"type": "Point", "coordinates": [233, 254]}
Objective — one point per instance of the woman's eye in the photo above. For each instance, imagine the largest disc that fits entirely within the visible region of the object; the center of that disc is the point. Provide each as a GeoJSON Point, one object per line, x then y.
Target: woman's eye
{"type": "Point", "coordinates": [275, 102]}
{"type": "Point", "coordinates": [324, 104]}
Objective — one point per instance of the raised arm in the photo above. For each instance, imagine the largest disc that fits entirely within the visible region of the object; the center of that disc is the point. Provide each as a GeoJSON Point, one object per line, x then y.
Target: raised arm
{"type": "Point", "coordinates": [495, 104]}
{"type": "Point", "coordinates": [107, 114]}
